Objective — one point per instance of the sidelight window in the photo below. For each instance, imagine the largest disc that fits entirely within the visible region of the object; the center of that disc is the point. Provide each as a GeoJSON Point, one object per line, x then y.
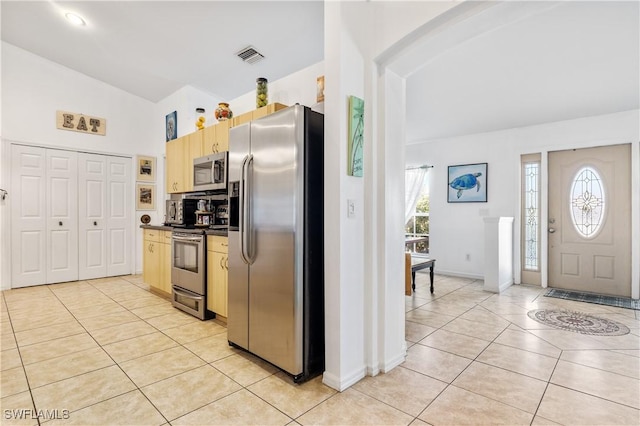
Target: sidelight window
{"type": "Point", "coordinates": [587, 202]}
{"type": "Point", "coordinates": [531, 213]}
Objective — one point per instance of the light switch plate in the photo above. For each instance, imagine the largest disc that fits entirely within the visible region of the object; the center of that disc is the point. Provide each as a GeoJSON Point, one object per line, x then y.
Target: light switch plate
{"type": "Point", "coordinates": [351, 208]}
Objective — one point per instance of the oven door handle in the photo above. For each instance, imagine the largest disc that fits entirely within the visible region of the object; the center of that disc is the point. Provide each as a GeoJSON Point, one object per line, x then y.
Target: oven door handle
{"type": "Point", "coordinates": [196, 239]}
{"type": "Point", "coordinates": [188, 295]}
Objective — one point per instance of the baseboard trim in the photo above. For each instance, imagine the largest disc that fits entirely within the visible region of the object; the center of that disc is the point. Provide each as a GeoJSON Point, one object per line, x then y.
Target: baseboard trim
{"type": "Point", "coordinates": [456, 274]}
{"type": "Point", "coordinates": [395, 361]}
{"type": "Point", "coordinates": [342, 384]}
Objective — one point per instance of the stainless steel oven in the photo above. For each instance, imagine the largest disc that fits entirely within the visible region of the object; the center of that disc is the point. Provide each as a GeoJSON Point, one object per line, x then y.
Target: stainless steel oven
{"type": "Point", "coordinates": [188, 273]}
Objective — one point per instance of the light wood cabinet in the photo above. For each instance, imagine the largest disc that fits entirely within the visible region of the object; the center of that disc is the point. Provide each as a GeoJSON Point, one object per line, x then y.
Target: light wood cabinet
{"type": "Point", "coordinates": [257, 113]}
{"type": "Point", "coordinates": [174, 173]}
{"type": "Point", "coordinates": [217, 270]}
{"type": "Point", "coordinates": [182, 151]}
{"type": "Point", "coordinates": [241, 119]}
{"type": "Point", "coordinates": [180, 155]}
{"type": "Point", "coordinates": [156, 259]}
{"type": "Point", "coordinates": [266, 110]}
{"type": "Point", "coordinates": [216, 138]}
{"type": "Point", "coordinates": [193, 151]}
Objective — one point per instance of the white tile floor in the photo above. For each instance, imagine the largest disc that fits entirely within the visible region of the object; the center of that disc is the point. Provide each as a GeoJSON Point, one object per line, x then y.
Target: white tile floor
{"type": "Point", "coordinates": [109, 352]}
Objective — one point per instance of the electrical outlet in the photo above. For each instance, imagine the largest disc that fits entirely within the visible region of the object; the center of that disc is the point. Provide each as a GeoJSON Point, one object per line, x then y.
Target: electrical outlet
{"type": "Point", "coordinates": [467, 257]}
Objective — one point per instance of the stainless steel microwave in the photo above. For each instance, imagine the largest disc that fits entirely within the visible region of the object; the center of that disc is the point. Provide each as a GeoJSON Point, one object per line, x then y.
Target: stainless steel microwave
{"type": "Point", "coordinates": [210, 172]}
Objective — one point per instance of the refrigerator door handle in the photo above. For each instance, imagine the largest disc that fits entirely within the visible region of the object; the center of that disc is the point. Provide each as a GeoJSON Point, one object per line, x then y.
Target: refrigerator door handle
{"type": "Point", "coordinates": [247, 232]}
{"type": "Point", "coordinates": [241, 209]}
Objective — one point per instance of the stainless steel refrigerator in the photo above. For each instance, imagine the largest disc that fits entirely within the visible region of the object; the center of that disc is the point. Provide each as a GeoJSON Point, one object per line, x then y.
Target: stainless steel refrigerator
{"type": "Point", "coordinates": [276, 231]}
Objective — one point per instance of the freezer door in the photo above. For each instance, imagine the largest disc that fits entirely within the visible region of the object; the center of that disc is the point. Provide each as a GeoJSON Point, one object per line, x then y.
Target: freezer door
{"type": "Point", "coordinates": [276, 185]}
{"type": "Point", "coordinates": [238, 273]}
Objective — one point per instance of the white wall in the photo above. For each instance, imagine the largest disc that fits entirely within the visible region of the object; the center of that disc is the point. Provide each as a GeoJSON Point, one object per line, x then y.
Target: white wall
{"type": "Point", "coordinates": [298, 87]}
{"type": "Point", "coordinates": [33, 89]}
{"type": "Point", "coordinates": [363, 256]}
{"type": "Point", "coordinates": [458, 229]}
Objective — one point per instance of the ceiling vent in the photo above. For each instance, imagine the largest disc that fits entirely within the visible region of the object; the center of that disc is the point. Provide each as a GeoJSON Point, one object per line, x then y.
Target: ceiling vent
{"type": "Point", "coordinates": [250, 55]}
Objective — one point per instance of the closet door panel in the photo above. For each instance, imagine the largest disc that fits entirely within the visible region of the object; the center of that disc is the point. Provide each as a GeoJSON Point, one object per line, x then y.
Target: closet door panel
{"type": "Point", "coordinates": [119, 233]}
{"type": "Point", "coordinates": [92, 211]}
{"type": "Point", "coordinates": [28, 216]}
{"type": "Point", "coordinates": [62, 215]}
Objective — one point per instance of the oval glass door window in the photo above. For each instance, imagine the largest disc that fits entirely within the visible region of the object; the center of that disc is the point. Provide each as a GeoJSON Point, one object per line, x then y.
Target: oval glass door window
{"type": "Point", "coordinates": [587, 200]}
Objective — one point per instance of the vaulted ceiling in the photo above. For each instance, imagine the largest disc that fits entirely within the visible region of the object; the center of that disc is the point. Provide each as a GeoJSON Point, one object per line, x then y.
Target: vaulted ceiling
{"type": "Point", "coordinates": [153, 48]}
{"type": "Point", "coordinates": [515, 64]}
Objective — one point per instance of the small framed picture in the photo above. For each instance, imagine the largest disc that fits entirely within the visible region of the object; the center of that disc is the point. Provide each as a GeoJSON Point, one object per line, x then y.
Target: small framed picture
{"type": "Point", "coordinates": [171, 123]}
{"type": "Point", "coordinates": [146, 168]}
{"type": "Point", "coordinates": [145, 196]}
{"type": "Point", "coordinates": [467, 183]}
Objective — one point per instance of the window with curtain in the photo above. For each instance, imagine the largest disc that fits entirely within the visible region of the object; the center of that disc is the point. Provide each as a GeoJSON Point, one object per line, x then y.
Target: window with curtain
{"type": "Point", "coordinates": [417, 210]}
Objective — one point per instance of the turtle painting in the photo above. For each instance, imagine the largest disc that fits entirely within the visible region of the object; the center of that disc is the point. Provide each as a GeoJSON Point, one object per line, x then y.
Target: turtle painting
{"type": "Point", "coordinates": [466, 182]}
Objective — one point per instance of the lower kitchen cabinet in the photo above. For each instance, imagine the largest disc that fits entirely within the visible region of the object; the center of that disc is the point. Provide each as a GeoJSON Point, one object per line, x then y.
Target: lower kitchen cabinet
{"type": "Point", "coordinates": [217, 265]}
{"type": "Point", "coordinates": [156, 259]}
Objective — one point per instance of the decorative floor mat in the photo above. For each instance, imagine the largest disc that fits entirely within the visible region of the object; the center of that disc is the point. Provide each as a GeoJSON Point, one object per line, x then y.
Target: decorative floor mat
{"type": "Point", "coordinates": [620, 302]}
{"type": "Point", "coordinates": [578, 322]}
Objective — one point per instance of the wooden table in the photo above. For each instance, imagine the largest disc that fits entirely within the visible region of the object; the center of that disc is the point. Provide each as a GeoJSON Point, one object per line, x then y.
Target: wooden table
{"type": "Point", "coordinates": [421, 262]}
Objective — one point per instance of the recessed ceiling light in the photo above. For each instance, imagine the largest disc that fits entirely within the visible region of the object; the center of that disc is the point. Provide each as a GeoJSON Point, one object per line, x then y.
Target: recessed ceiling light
{"type": "Point", "coordinates": [75, 19]}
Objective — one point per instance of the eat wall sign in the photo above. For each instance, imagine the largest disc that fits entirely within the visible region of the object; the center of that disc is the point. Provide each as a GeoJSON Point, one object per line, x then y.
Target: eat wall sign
{"type": "Point", "coordinates": [81, 123]}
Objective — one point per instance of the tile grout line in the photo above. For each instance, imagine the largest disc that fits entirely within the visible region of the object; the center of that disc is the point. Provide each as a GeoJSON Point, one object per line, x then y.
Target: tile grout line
{"type": "Point", "coordinates": [114, 361]}
{"type": "Point", "coordinates": [175, 375]}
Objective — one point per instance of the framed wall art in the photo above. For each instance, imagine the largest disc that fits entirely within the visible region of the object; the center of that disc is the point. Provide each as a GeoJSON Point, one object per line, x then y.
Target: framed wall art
{"type": "Point", "coordinates": [146, 168]}
{"type": "Point", "coordinates": [355, 140]}
{"type": "Point", "coordinates": [171, 125]}
{"type": "Point", "coordinates": [467, 183]}
{"type": "Point", "coordinates": [145, 196]}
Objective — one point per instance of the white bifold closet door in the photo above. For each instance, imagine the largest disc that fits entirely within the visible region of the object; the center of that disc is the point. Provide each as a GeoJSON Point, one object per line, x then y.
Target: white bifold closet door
{"type": "Point", "coordinates": [44, 216]}
{"type": "Point", "coordinates": [104, 208]}
{"type": "Point", "coordinates": [71, 216]}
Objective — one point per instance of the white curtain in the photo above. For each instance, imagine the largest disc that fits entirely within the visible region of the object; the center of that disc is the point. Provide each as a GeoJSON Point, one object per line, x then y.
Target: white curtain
{"type": "Point", "coordinates": [413, 184]}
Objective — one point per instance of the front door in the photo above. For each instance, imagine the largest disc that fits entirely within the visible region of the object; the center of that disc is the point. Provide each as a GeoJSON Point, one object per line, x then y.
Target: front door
{"type": "Point", "coordinates": [590, 220]}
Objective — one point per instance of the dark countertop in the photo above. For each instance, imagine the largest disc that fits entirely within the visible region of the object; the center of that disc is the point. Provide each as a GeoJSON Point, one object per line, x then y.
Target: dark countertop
{"type": "Point", "coordinates": [218, 232]}
{"type": "Point", "coordinates": [207, 231]}
{"type": "Point", "coordinates": [157, 227]}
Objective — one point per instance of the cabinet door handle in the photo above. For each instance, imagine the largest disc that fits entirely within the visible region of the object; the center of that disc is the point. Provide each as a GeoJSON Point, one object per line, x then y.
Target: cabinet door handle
{"type": "Point", "coordinates": [226, 263]}
{"type": "Point", "coordinates": [220, 262]}
{"type": "Point", "coordinates": [95, 223]}
{"type": "Point", "coordinates": [60, 223]}
{"type": "Point", "coordinates": [213, 147]}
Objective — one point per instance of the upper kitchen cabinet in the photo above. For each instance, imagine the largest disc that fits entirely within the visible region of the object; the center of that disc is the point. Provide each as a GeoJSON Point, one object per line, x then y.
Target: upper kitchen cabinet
{"type": "Point", "coordinates": [175, 165]}
{"type": "Point", "coordinates": [255, 114]}
{"type": "Point", "coordinates": [216, 138]}
{"type": "Point", "coordinates": [194, 151]}
{"type": "Point", "coordinates": [241, 119]}
{"type": "Point", "coordinates": [180, 155]}
{"type": "Point", "coordinates": [266, 110]}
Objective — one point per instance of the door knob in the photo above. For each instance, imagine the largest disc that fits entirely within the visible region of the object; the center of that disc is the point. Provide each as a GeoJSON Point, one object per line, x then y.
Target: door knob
{"type": "Point", "coordinates": [552, 230]}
